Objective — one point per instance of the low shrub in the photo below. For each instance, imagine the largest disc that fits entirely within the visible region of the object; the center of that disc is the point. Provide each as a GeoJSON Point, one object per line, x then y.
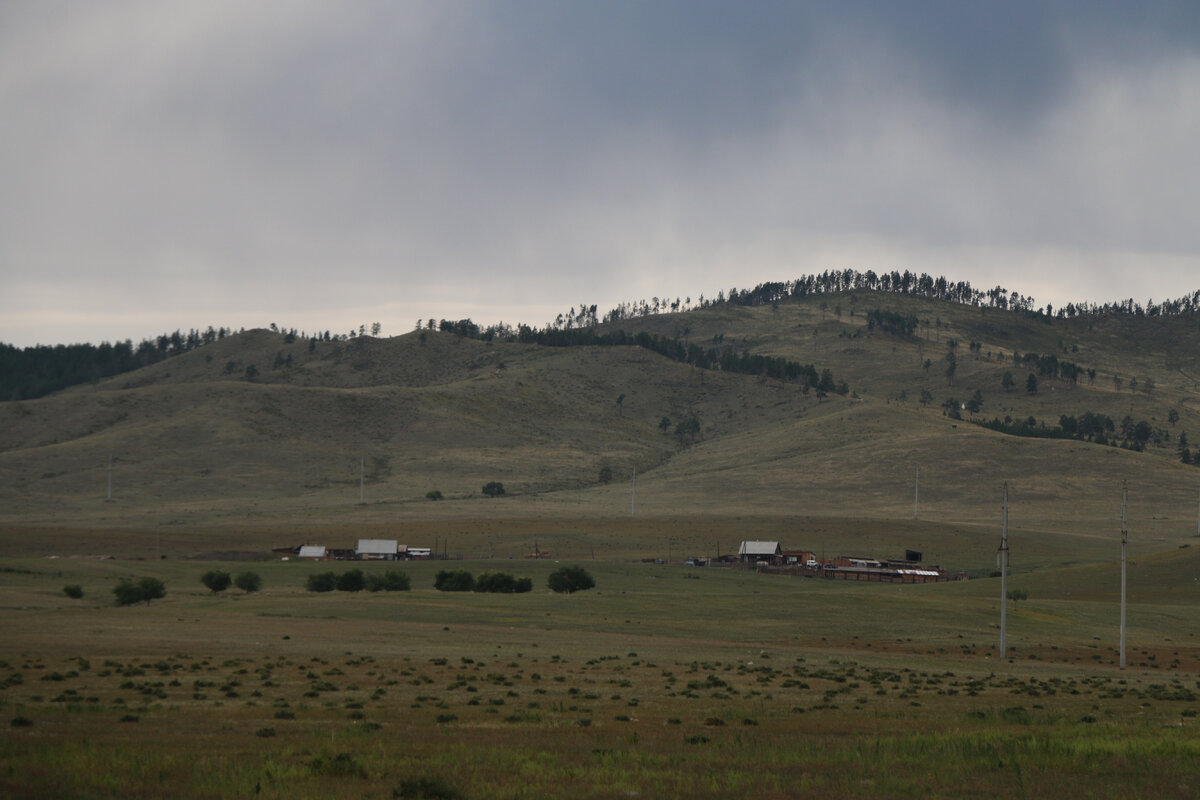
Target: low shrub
{"type": "Point", "coordinates": [341, 765]}
{"type": "Point", "coordinates": [248, 582]}
{"type": "Point", "coordinates": [391, 581]}
{"type": "Point", "coordinates": [73, 591]}
{"type": "Point", "coordinates": [458, 580]}
{"type": "Point", "coordinates": [351, 581]}
{"type": "Point", "coordinates": [216, 580]}
{"type": "Point", "coordinates": [503, 583]}
{"type": "Point", "coordinates": [425, 789]}
{"type": "Point", "coordinates": [568, 580]}
{"type": "Point", "coordinates": [321, 582]}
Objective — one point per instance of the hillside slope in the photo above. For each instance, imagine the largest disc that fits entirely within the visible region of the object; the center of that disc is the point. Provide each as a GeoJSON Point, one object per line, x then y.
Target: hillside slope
{"type": "Point", "coordinates": [202, 439]}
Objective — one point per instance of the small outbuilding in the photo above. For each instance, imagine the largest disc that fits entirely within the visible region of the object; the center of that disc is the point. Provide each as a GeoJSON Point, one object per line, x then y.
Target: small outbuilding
{"type": "Point", "coordinates": [313, 551]}
{"type": "Point", "coordinates": [753, 552]}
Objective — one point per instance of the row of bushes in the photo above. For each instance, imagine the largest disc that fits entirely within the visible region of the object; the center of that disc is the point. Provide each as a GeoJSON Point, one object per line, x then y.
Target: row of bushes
{"type": "Point", "coordinates": [565, 580]}
{"type": "Point", "coordinates": [355, 581]}
{"type": "Point", "coordinates": [218, 580]}
{"type": "Point", "coordinates": [459, 580]}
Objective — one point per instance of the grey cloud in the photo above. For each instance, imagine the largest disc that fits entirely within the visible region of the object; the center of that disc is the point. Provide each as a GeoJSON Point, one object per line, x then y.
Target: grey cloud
{"type": "Point", "coordinates": [532, 155]}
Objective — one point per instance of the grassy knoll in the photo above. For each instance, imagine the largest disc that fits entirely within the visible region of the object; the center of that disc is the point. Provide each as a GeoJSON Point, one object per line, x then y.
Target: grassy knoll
{"type": "Point", "coordinates": [663, 681]}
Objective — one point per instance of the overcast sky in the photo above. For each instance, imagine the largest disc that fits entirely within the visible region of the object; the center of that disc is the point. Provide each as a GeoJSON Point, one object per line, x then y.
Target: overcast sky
{"type": "Point", "coordinates": [323, 165]}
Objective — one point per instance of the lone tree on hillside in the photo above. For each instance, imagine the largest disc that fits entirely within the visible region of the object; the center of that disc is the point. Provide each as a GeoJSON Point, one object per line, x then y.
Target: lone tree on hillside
{"type": "Point", "coordinates": [568, 580]}
{"type": "Point", "coordinates": [1031, 384]}
{"type": "Point", "coordinates": [493, 489]}
{"type": "Point", "coordinates": [687, 428]}
{"type": "Point", "coordinates": [216, 580]}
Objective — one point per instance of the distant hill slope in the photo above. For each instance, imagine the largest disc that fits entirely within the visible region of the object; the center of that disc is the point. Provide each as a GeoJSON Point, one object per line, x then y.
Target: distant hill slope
{"type": "Point", "coordinates": [254, 427]}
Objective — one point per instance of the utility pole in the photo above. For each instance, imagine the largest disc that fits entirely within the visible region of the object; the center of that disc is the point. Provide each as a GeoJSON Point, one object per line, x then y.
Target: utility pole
{"type": "Point", "coordinates": [917, 496]}
{"type": "Point", "coordinates": [1124, 544]}
{"type": "Point", "coordinates": [1004, 576]}
{"type": "Point", "coordinates": [633, 496]}
{"type": "Point", "coordinates": [362, 466]}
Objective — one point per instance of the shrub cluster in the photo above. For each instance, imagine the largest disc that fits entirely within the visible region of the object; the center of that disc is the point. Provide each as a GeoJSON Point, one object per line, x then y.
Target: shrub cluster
{"type": "Point", "coordinates": [391, 581]}
{"type": "Point", "coordinates": [355, 581]}
{"type": "Point", "coordinates": [218, 581]}
{"type": "Point", "coordinates": [457, 580]}
{"type": "Point", "coordinates": [142, 590]}
{"type": "Point", "coordinates": [502, 583]}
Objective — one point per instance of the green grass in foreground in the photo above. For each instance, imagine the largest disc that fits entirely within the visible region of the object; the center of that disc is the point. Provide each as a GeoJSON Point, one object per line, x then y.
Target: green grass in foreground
{"type": "Point", "coordinates": [661, 682]}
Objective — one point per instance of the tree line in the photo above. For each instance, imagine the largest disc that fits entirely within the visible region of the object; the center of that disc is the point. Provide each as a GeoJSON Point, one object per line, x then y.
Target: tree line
{"type": "Point", "coordinates": [894, 282]}
{"type": "Point", "coordinates": [726, 359]}
{"type": "Point", "coordinates": [1129, 434]}
{"type": "Point", "coordinates": [31, 372]}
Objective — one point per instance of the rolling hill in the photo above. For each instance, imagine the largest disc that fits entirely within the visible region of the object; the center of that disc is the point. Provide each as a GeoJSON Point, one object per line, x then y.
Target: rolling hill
{"type": "Point", "coordinates": [198, 441]}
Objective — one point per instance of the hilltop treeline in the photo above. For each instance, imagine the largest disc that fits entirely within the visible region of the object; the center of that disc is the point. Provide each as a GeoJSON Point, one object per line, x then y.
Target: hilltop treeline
{"type": "Point", "coordinates": [36, 371]}
{"type": "Point", "coordinates": [30, 372]}
{"type": "Point", "coordinates": [895, 282]}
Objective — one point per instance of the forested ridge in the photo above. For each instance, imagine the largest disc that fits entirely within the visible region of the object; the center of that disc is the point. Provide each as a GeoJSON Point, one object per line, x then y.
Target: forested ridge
{"type": "Point", "coordinates": [31, 372]}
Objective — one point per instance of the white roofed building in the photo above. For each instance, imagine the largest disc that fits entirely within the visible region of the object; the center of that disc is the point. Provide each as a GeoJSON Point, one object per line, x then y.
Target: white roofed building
{"type": "Point", "coordinates": [385, 549]}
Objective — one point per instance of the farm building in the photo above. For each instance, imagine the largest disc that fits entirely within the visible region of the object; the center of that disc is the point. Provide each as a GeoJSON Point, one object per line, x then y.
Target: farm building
{"type": "Point", "coordinates": [753, 552]}
{"type": "Point", "coordinates": [805, 558]}
{"type": "Point", "coordinates": [377, 549]}
{"type": "Point", "coordinates": [313, 551]}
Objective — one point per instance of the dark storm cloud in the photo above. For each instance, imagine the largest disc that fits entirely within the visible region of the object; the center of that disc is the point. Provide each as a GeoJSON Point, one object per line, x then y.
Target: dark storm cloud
{"type": "Point", "coordinates": [326, 164]}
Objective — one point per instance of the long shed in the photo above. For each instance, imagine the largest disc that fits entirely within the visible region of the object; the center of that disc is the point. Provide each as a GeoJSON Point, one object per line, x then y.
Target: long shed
{"type": "Point", "coordinates": [377, 549]}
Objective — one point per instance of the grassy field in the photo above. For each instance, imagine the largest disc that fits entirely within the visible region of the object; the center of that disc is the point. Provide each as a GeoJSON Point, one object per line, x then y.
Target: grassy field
{"type": "Point", "coordinates": [664, 681]}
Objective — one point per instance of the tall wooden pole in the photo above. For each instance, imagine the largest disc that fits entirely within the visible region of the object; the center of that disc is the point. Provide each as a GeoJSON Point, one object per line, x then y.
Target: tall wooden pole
{"type": "Point", "coordinates": [362, 469]}
{"type": "Point", "coordinates": [633, 496]}
{"type": "Point", "coordinates": [109, 496]}
{"type": "Point", "coordinates": [1004, 576]}
{"type": "Point", "coordinates": [1124, 544]}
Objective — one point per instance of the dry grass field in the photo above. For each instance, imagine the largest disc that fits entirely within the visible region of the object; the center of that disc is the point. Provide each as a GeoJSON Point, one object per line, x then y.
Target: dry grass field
{"type": "Point", "coordinates": [664, 681]}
